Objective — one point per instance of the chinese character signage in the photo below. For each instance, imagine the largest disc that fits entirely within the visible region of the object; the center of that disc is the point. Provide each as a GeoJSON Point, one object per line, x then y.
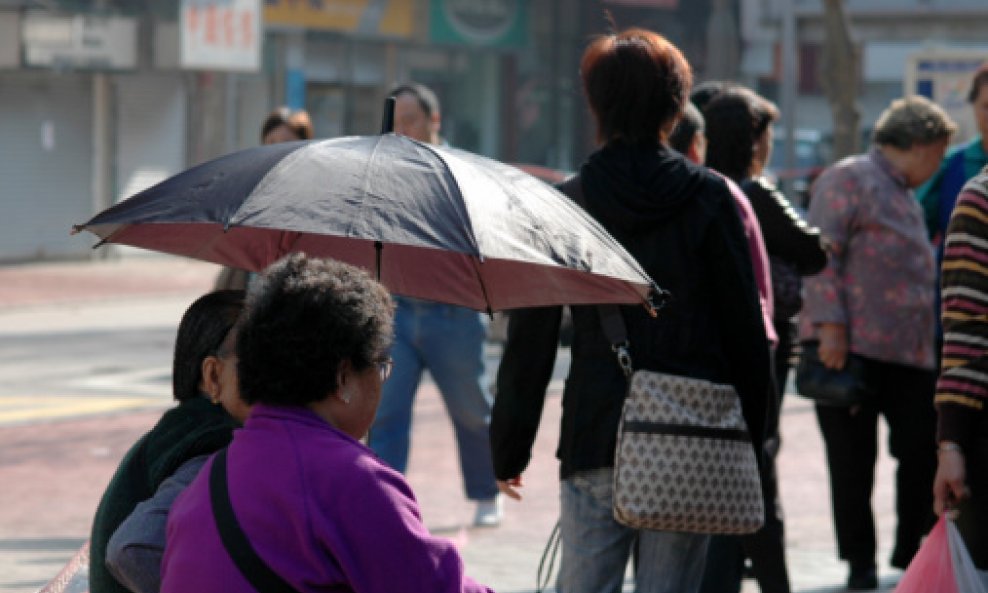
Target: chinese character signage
{"type": "Point", "coordinates": [221, 34]}
{"type": "Point", "coordinates": [387, 18]}
{"type": "Point", "coordinates": [480, 23]}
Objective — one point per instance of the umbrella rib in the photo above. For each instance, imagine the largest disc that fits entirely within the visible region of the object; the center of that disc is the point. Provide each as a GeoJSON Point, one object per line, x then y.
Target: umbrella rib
{"type": "Point", "coordinates": [483, 287]}
{"type": "Point", "coordinates": [468, 227]}
{"type": "Point", "coordinates": [366, 184]}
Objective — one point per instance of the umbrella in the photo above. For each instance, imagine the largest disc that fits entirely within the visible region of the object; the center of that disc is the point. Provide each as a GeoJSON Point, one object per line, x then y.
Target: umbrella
{"type": "Point", "coordinates": [432, 222]}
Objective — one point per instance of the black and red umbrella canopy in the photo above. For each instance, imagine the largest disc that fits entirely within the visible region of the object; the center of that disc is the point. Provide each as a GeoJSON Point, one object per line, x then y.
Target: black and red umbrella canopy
{"type": "Point", "coordinates": [432, 222]}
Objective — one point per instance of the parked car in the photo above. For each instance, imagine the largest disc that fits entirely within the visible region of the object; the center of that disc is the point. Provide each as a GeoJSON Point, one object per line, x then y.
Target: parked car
{"type": "Point", "coordinates": [813, 154]}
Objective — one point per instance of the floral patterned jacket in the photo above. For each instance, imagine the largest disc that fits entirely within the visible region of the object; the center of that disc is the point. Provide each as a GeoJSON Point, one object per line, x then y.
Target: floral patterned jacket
{"type": "Point", "coordinates": [880, 277]}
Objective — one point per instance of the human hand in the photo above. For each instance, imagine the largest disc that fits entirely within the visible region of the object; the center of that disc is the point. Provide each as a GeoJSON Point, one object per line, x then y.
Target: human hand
{"type": "Point", "coordinates": [833, 345]}
{"type": "Point", "coordinates": [510, 487]}
{"type": "Point", "coordinates": [949, 485]}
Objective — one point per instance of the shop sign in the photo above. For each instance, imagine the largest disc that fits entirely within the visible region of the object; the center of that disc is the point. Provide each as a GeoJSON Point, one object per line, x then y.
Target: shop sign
{"type": "Point", "coordinates": [220, 35]}
{"type": "Point", "coordinates": [485, 23]}
{"type": "Point", "coordinates": [82, 41]}
{"type": "Point", "coordinates": [388, 18]}
{"type": "Point", "coordinates": [944, 76]}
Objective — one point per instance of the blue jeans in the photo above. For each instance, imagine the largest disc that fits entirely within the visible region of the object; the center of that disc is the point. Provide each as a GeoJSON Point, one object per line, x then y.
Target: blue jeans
{"type": "Point", "coordinates": [596, 548]}
{"type": "Point", "coordinates": [449, 342]}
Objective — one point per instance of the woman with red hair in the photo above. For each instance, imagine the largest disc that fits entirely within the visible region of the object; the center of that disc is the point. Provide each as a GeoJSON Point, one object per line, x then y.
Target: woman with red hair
{"type": "Point", "coordinates": [679, 220]}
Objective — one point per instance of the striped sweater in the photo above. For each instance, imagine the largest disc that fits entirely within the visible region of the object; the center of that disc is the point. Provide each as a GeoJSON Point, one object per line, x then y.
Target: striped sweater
{"type": "Point", "coordinates": [962, 391]}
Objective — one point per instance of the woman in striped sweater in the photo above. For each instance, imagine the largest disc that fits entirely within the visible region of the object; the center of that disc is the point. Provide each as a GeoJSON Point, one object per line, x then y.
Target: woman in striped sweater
{"type": "Point", "coordinates": [962, 390]}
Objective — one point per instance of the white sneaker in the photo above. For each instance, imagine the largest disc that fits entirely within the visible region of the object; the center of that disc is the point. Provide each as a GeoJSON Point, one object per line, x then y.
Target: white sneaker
{"type": "Point", "coordinates": [489, 512]}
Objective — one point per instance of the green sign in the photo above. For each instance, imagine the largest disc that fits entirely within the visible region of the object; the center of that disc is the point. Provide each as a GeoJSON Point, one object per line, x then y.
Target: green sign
{"type": "Point", "coordinates": [479, 23]}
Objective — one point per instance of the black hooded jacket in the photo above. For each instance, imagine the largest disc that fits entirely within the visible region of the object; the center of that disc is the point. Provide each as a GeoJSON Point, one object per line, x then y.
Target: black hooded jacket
{"type": "Point", "coordinates": [681, 224]}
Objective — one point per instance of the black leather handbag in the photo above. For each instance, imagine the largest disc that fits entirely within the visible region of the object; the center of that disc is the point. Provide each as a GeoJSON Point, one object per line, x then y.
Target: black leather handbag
{"type": "Point", "coordinates": [829, 387]}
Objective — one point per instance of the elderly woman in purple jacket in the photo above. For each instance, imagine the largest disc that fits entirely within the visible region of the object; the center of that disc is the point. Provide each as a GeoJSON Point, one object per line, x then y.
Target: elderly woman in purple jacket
{"type": "Point", "coordinates": [316, 508]}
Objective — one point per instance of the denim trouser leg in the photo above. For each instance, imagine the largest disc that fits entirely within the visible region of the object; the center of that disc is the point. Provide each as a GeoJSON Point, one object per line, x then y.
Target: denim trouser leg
{"type": "Point", "coordinates": [449, 342]}
{"type": "Point", "coordinates": [596, 548]}
{"type": "Point", "coordinates": [390, 435]}
{"type": "Point", "coordinates": [670, 561]}
{"type": "Point", "coordinates": [452, 346]}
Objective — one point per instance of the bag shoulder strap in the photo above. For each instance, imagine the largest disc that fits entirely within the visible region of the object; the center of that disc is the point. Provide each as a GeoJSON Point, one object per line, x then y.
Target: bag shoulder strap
{"type": "Point", "coordinates": [610, 315]}
{"type": "Point", "coordinates": [573, 188]}
{"type": "Point", "coordinates": [249, 563]}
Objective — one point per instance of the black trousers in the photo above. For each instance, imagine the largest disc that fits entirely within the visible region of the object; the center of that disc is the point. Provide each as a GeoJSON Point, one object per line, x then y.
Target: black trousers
{"type": "Point", "coordinates": [973, 518]}
{"type": "Point", "coordinates": [766, 547]}
{"type": "Point", "coordinates": [904, 396]}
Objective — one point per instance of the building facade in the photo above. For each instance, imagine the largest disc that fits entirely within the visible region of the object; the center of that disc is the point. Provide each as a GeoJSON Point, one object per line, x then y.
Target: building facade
{"type": "Point", "coordinates": [100, 99]}
{"type": "Point", "coordinates": [888, 35]}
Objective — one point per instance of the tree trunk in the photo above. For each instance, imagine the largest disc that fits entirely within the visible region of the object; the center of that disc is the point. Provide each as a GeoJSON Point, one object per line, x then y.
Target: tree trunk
{"type": "Point", "coordinates": [840, 79]}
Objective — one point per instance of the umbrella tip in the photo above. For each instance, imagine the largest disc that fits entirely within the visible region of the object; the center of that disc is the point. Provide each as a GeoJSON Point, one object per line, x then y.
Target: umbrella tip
{"type": "Point", "coordinates": [76, 229]}
{"type": "Point", "coordinates": [388, 120]}
{"type": "Point", "coordinates": [657, 299]}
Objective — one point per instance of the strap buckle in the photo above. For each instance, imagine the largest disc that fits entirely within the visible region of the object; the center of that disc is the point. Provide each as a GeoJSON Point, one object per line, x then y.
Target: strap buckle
{"type": "Point", "coordinates": [623, 352]}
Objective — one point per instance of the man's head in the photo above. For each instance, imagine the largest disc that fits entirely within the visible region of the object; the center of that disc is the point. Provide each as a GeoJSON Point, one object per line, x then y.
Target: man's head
{"type": "Point", "coordinates": [914, 133]}
{"type": "Point", "coordinates": [416, 112]}
{"type": "Point", "coordinates": [704, 92]}
{"type": "Point", "coordinates": [285, 125]}
{"type": "Point", "coordinates": [689, 137]}
{"type": "Point", "coordinates": [977, 96]}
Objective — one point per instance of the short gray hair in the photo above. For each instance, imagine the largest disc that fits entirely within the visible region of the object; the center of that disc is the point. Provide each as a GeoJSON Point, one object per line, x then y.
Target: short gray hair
{"type": "Point", "coordinates": [912, 120]}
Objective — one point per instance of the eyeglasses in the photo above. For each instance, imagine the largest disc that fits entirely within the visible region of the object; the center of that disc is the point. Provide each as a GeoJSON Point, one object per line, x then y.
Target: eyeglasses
{"type": "Point", "coordinates": [384, 367]}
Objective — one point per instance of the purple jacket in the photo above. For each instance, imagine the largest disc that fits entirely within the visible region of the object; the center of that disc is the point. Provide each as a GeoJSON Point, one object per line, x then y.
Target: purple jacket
{"type": "Point", "coordinates": [319, 507]}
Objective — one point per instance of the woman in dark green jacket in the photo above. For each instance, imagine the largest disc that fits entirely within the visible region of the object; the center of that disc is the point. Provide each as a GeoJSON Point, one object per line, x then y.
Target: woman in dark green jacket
{"type": "Point", "coordinates": [198, 425]}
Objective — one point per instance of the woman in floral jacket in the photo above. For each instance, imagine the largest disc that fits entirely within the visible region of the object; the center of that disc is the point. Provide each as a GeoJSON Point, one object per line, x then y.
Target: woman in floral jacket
{"type": "Point", "coordinates": [875, 300]}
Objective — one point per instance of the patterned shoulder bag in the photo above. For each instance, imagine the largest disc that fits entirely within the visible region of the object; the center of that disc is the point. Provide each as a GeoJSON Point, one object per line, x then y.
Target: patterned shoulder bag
{"type": "Point", "coordinates": [684, 459]}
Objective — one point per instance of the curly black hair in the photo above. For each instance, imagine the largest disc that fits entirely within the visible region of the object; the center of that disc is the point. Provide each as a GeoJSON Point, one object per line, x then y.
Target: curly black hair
{"type": "Point", "coordinates": [201, 332]}
{"type": "Point", "coordinates": [736, 118]}
{"type": "Point", "coordinates": [304, 317]}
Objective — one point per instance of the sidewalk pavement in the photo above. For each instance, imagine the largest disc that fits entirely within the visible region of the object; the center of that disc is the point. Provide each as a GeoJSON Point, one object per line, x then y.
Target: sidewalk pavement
{"type": "Point", "coordinates": [53, 473]}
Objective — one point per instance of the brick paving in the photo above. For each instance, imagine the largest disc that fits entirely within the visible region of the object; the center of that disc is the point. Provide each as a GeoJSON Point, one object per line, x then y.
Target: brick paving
{"type": "Point", "coordinates": [52, 473]}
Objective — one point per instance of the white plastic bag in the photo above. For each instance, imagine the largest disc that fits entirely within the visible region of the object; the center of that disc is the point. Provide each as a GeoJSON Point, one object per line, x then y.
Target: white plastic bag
{"type": "Point", "coordinates": [969, 578]}
{"type": "Point", "coordinates": [942, 565]}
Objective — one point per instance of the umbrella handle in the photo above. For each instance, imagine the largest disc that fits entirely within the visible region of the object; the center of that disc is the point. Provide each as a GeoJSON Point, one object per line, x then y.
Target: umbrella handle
{"type": "Point", "coordinates": [388, 120]}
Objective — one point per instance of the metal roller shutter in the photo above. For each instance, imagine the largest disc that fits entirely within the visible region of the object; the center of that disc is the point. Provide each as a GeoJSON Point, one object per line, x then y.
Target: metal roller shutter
{"type": "Point", "coordinates": [45, 164]}
{"type": "Point", "coordinates": [150, 143]}
{"type": "Point", "coordinates": [150, 134]}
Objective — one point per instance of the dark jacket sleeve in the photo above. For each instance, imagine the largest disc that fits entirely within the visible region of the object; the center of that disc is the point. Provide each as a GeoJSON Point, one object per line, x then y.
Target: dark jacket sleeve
{"type": "Point", "coordinates": [739, 314]}
{"type": "Point", "coordinates": [522, 380]}
{"type": "Point", "coordinates": [787, 235]}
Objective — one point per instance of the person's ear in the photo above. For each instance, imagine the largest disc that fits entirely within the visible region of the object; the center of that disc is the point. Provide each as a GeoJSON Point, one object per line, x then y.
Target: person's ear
{"type": "Point", "coordinates": [212, 368]}
{"type": "Point", "coordinates": [342, 374]}
{"type": "Point", "coordinates": [435, 123]}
